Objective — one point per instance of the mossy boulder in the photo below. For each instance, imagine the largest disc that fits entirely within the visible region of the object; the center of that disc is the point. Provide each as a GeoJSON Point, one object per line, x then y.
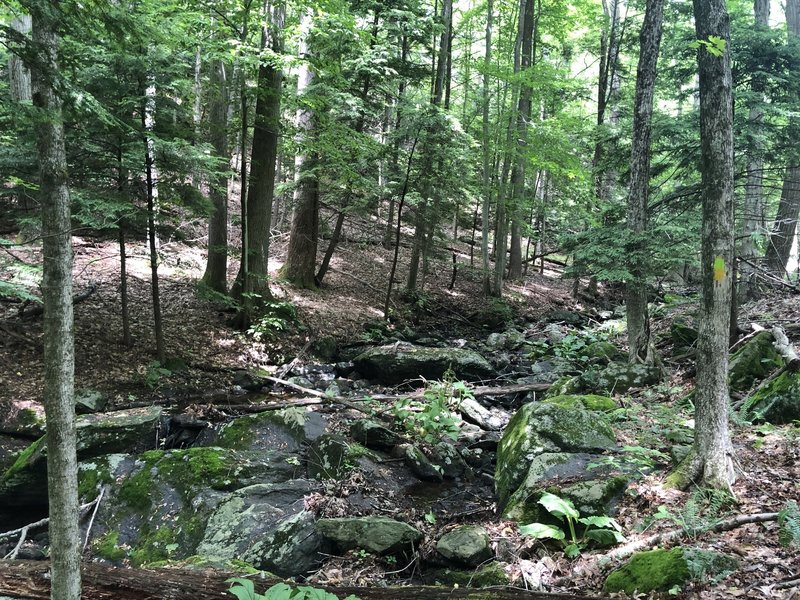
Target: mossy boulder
{"type": "Point", "coordinates": [618, 378]}
{"type": "Point", "coordinates": [287, 430]}
{"type": "Point", "coordinates": [374, 435]}
{"type": "Point", "coordinates": [380, 535]}
{"type": "Point", "coordinates": [448, 461]}
{"type": "Point", "coordinates": [419, 464]}
{"type": "Point", "coordinates": [328, 458]}
{"type": "Point", "coordinates": [488, 575]}
{"type": "Point", "coordinates": [266, 526]}
{"type": "Point", "coordinates": [566, 385]}
{"type": "Point", "coordinates": [544, 427]}
{"type": "Point", "coordinates": [777, 401]}
{"type": "Point", "coordinates": [588, 401]}
{"type": "Point", "coordinates": [661, 570]}
{"type": "Point", "coordinates": [603, 352]}
{"type": "Point", "coordinates": [467, 545]}
{"type": "Point", "coordinates": [158, 503]}
{"type": "Point", "coordinates": [592, 491]}
{"type": "Point", "coordinates": [755, 360]}
{"type": "Point", "coordinates": [126, 431]}
{"type": "Point", "coordinates": [400, 362]}
{"type": "Point", "coordinates": [682, 333]}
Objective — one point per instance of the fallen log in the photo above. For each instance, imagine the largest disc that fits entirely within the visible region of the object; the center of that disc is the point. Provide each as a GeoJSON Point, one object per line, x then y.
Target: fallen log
{"type": "Point", "coordinates": [31, 580]}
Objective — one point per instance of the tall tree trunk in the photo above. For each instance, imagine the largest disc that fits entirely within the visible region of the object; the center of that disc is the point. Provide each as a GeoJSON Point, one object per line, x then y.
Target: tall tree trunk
{"type": "Point", "coordinates": [266, 132]}
{"type": "Point", "coordinates": [785, 227]}
{"type": "Point", "coordinates": [641, 347]}
{"type": "Point", "coordinates": [753, 213]}
{"type": "Point", "coordinates": [123, 259]}
{"type": "Point", "coordinates": [151, 180]}
{"type": "Point", "coordinates": [302, 254]}
{"type": "Point", "coordinates": [19, 74]}
{"type": "Point", "coordinates": [487, 156]}
{"type": "Point", "coordinates": [710, 459]}
{"type": "Point", "coordinates": [59, 355]}
{"type": "Point", "coordinates": [216, 274]}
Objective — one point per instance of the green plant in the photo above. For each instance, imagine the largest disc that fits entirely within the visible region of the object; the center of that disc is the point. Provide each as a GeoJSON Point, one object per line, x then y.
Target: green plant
{"type": "Point", "coordinates": [641, 458]}
{"type": "Point", "coordinates": [153, 373]}
{"type": "Point", "coordinates": [432, 416]}
{"type": "Point", "coordinates": [700, 513]}
{"type": "Point", "coordinates": [244, 589]}
{"type": "Point", "coordinates": [275, 316]}
{"type": "Point", "coordinates": [789, 524]}
{"type": "Point", "coordinates": [601, 529]}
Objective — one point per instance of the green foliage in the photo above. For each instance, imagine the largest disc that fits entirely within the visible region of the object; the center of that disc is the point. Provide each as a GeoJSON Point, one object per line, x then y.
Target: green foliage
{"type": "Point", "coordinates": [244, 589]}
{"type": "Point", "coordinates": [276, 316]}
{"type": "Point", "coordinates": [640, 458]}
{"type": "Point", "coordinates": [702, 511]}
{"type": "Point", "coordinates": [714, 45]}
{"type": "Point", "coordinates": [789, 523]}
{"type": "Point", "coordinates": [432, 416]}
{"type": "Point", "coordinates": [601, 530]}
{"type": "Point", "coordinates": [153, 374]}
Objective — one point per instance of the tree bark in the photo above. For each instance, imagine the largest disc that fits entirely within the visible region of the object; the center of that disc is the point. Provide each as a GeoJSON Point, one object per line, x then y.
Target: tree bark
{"type": "Point", "coordinates": [30, 579]}
{"type": "Point", "coordinates": [710, 459]}
{"type": "Point", "coordinates": [641, 347]}
{"type": "Point", "coordinates": [487, 156]}
{"type": "Point", "coordinates": [59, 353]}
{"type": "Point", "coordinates": [216, 274]}
{"type": "Point", "coordinates": [302, 254]}
{"type": "Point", "coordinates": [785, 226]}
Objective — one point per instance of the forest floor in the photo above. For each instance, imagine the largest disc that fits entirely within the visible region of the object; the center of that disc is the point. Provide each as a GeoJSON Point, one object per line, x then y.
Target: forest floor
{"type": "Point", "coordinates": [197, 331]}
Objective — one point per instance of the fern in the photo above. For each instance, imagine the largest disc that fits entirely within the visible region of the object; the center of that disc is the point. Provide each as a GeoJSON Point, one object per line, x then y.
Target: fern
{"type": "Point", "coordinates": [789, 525]}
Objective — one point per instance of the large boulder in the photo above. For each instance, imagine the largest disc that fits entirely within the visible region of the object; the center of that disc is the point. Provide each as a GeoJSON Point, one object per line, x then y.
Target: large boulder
{"type": "Point", "coordinates": [126, 431]}
{"type": "Point", "coordinates": [662, 570]}
{"type": "Point", "coordinates": [158, 504]}
{"type": "Point", "coordinates": [755, 360]}
{"type": "Point", "coordinates": [399, 362]}
{"type": "Point", "coordinates": [266, 526]}
{"type": "Point", "coordinates": [539, 440]}
{"type": "Point", "coordinates": [777, 401]}
{"type": "Point", "coordinates": [618, 378]}
{"type": "Point", "coordinates": [467, 545]}
{"type": "Point", "coordinates": [380, 535]}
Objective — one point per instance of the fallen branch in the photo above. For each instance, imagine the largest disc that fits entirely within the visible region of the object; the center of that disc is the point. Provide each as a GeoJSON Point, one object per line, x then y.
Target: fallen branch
{"type": "Point", "coordinates": [31, 579]}
{"type": "Point", "coordinates": [287, 368]}
{"type": "Point", "coordinates": [785, 349]}
{"type": "Point", "coordinates": [479, 391]}
{"type": "Point", "coordinates": [317, 394]}
{"type": "Point", "coordinates": [39, 308]}
{"type": "Point", "coordinates": [669, 537]}
{"type": "Point", "coordinates": [24, 529]}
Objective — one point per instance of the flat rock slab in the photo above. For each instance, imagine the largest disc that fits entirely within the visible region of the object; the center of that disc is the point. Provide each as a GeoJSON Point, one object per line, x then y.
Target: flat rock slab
{"type": "Point", "coordinates": [400, 362]}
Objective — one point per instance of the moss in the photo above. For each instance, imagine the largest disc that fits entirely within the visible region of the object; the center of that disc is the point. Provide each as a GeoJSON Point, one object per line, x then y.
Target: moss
{"type": "Point", "coordinates": [778, 401]}
{"type": "Point", "coordinates": [238, 433]}
{"type": "Point", "coordinates": [26, 459]}
{"type": "Point", "coordinates": [753, 361]}
{"type": "Point", "coordinates": [93, 475]}
{"type": "Point", "coordinates": [485, 576]}
{"type": "Point", "coordinates": [154, 546]}
{"type": "Point", "coordinates": [195, 468]}
{"type": "Point", "coordinates": [135, 492]}
{"type": "Point", "coordinates": [589, 402]}
{"type": "Point", "coordinates": [655, 570]}
{"type": "Point", "coordinates": [108, 547]}
{"type": "Point", "coordinates": [567, 385]}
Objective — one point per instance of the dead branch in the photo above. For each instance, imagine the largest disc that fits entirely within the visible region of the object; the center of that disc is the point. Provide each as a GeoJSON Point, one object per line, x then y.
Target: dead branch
{"type": "Point", "coordinates": [23, 531]}
{"type": "Point", "coordinates": [785, 349]}
{"type": "Point", "coordinates": [318, 394]}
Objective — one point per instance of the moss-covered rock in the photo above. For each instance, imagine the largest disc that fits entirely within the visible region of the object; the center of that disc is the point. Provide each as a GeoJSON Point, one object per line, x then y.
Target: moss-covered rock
{"type": "Point", "coordinates": [467, 545]}
{"type": "Point", "coordinates": [682, 333]}
{"type": "Point", "coordinates": [661, 570]}
{"type": "Point", "coordinates": [380, 535]}
{"type": "Point", "coordinates": [286, 430]}
{"type": "Point", "coordinates": [756, 359]}
{"type": "Point", "coordinates": [22, 418]}
{"type": "Point", "coordinates": [488, 575]}
{"type": "Point", "coordinates": [127, 431]}
{"type": "Point", "coordinates": [329, 458]}
{"type": "Point", "coordinates": [778, 401]}
{"type": "Point", "coordinates": [419, 464]}
{"type": "Point", "coordinates": [543, 427]}
{"type": "Point", "coordinates": [588, 401]}
{"type": "Point", "coordinates": [617, 378]}
{"type": "Point", "coordinates": [565, 386]}
{"type": "Point", "coordinates": [266, 526]}
{"type": "Point", "coordinates": [603, 352]}
{"type": "Point", "coordinates": [374, 435]}
{"type": "Point", "coordinates": [448, 460]}
{"type": "Point", "coordinates": [399, 362]}
{"type": "Point", "coordinates": [158, 503]}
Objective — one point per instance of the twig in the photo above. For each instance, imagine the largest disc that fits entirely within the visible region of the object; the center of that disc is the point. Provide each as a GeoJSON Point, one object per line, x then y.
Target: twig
{"type": "Point", "coordinates": [318, 394]}
{"type": "Point", "coordinates": [45, 521]}
{"type": "Point", "coordinates": [287, 368]}
{"type": "Point", "coordinates": [94, 514]}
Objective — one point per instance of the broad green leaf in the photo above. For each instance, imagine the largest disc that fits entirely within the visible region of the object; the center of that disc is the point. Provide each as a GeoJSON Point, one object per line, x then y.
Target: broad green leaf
{"type": "Point", "coordinates": [540, 531]}
{"type": "Point", "coordinates": [279, 591]}
{"type": "Point", "coordinates": [605, 537]}
{"type": "Point", "coordinates": [558, 506]}
{"type": "Point", "coordinates": [572, 551]}
{"type": "Point", "coordinates": [601, 521]}
{"type": "Point", "coordinates": [242, 588]}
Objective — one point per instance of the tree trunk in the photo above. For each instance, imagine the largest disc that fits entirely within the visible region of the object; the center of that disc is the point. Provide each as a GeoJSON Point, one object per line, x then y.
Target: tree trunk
{"type": "Point", "coordinates": [326, 260]}
{"type": "Point", "coordinates": [487, 157]}
{"type": "Point", "coordinates": [123, 258]}
{"type": "Point", "coordinates": [30, 579]}
{"type": "Point", "coordinates": [753, 214]}
{"type": "Point", "coordinates": [151, 180]}
{"type": "Point", "coordinates": [59, 354]}
{"type": "Point", "coordinates": [785, 226]}
{"type": "Point", "coordinates": [216, 274]}
{"type": "Point", "coordinates": [18, 73]}
{"type": "Point", "coordinates": [641, 347]}
{"type": "Point", "coordinates": [302, 254]}
{"type": "Point", "coordinates": [710, 459]}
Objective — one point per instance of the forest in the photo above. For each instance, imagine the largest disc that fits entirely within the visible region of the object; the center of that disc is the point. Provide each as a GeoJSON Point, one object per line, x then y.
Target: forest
{"type": "Point", "coordinates": [399, 298]}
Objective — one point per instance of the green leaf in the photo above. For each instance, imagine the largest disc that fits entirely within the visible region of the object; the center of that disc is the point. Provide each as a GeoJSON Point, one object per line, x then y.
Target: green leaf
{"type": "Point", "coordinates": [558, 506]}
{"type": "Point", "coordinates": [605, 537]}
{"type": "Point", "coordinates": [242, 588]}
{"type": "Point", "coordinates": [601, 521]}
{"type": "Point", "coordinates": [279, 591]}
{"type": "Point", "coordinates": [572, 551]}
{"type": "Point", "coordinates": [540, 531]}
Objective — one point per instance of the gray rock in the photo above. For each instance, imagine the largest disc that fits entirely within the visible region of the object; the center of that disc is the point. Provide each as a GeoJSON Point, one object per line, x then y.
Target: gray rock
{"type": "Point", "coordinates": [620, 377]}
{"type": "Point", "coordinates": [328, 458]}
{"type": "Point", "coordinates": [380, 535]}
{"type": "Point", "coordinates": [286, 430]}
{"type": "Point", "coordinates": [90, 401]}
{"type": "Point", "coordinates": [419, 464]}
{"type": "Point", "coordinates": [399, 362]}
{"type": "Point", "coordinates": [265, 525]}
{"type": "Point", "coordinates": [754, 361]}
{"type": "Point", "coordinates": [467, 545]}
{"type": "Point", "coordinates": [374, 435]}
{"type": "Point", "coordinates": [449, 461]}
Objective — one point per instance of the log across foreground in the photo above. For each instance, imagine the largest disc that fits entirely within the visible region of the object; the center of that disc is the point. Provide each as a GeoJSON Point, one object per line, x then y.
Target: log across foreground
{"type": "Point", "coordinates": [31, 580]}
